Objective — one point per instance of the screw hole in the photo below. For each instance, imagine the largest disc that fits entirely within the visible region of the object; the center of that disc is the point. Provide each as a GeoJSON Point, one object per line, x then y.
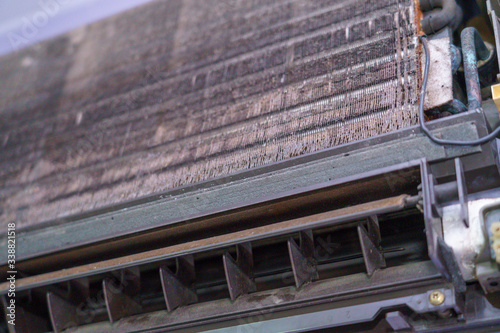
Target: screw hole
{"type": "Point", "coordinates": [493, 284]}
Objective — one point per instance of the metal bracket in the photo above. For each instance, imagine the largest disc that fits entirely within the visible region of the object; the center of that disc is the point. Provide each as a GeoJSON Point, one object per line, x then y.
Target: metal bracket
{"type": "Point", "coordinates": [451, 191]}
{"type": "Point", "coordinates": [440, 253]}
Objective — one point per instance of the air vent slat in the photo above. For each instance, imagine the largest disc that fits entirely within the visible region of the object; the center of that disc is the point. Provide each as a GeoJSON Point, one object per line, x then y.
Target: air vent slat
{"type": "Point", "coordinates": [177, 287]}
{"type": "Point", "coordinates": [239, 272]}
{"type": "Point", "coordinates": [25, 321]}
{"type": "Point", "coordinates": [119, 296]}
{"type": "Point", "coordinates": [370, 245]}
{"type": "Point", "coordinates": [63, 314]}
{"type": "Point", "coordinates": [302, 258]}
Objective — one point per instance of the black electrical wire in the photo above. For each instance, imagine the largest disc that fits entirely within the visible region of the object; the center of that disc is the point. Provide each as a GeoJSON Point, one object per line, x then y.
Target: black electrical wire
{"type": "Point", "coordinates": [421, 114]}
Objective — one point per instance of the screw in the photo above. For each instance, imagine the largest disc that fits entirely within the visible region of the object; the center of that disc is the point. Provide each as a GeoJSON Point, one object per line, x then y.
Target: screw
{"type": "Point", "coordinates": [436, 297]}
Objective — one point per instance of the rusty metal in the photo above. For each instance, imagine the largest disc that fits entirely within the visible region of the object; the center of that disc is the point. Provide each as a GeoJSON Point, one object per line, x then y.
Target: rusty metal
{"type": "Point", "coordinates": [177, 287]}
{"type": "Point", "coordinates": [472, 48]}
{"type": "Point", "coordinates": [322, 74]}
{"type": "Point", "coordinates": [304, 264]}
